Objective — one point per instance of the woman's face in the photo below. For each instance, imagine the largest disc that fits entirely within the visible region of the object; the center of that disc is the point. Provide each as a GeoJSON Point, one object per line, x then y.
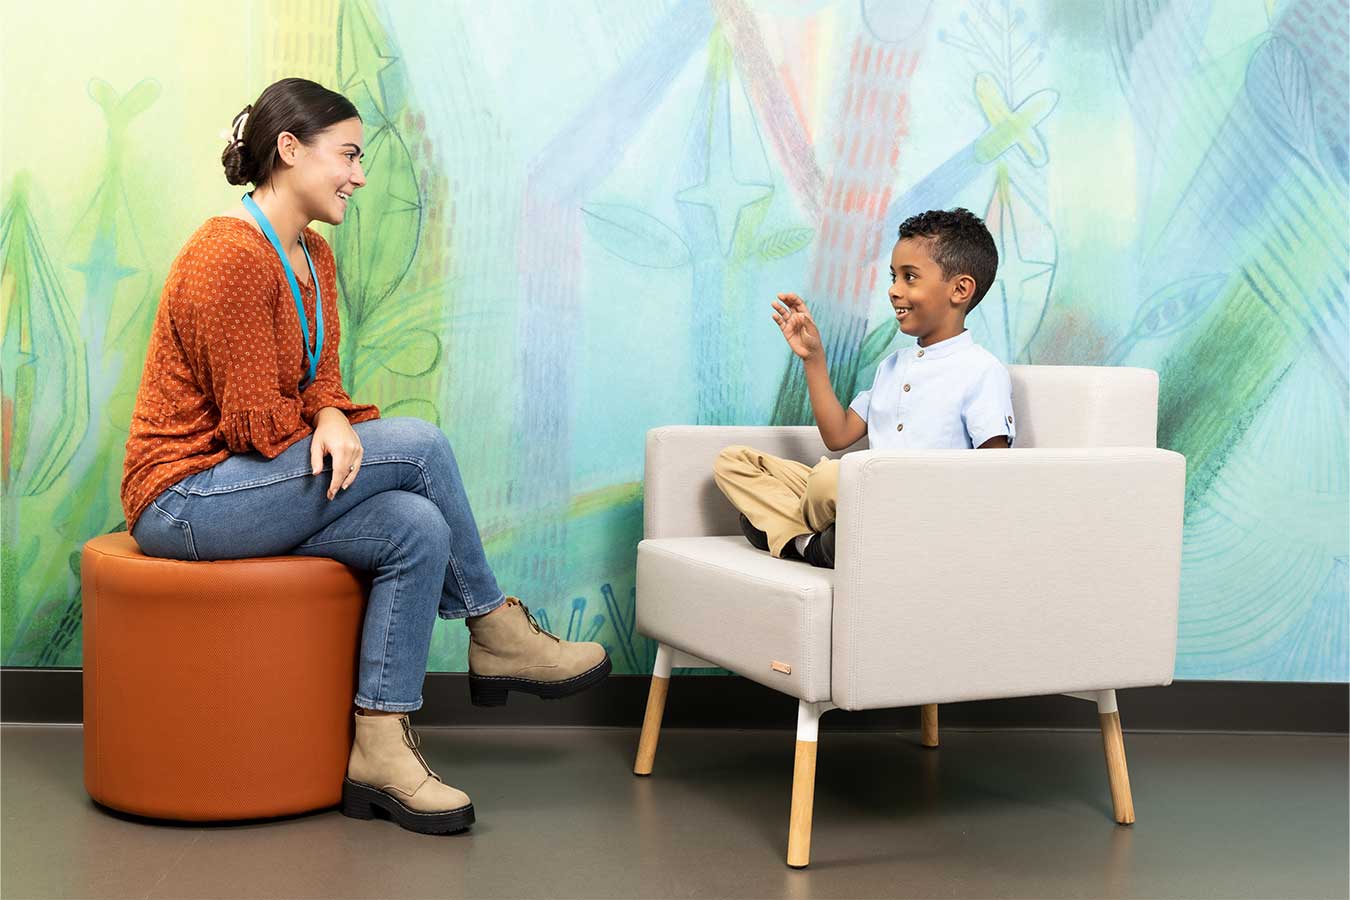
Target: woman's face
{"type": "Point", "coordinates": [327, 171]}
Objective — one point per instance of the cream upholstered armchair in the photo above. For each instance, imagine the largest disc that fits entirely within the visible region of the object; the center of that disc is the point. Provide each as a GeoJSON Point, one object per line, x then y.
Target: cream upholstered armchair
{"type": "Point", "coordinates": [1053, 567]}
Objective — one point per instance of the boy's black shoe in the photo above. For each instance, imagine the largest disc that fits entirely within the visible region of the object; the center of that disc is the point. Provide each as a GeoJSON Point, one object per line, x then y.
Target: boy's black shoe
{"type": "Point", "coordinates": [820, 549]}
{"type": "Point", "coordinates": [758, 539]}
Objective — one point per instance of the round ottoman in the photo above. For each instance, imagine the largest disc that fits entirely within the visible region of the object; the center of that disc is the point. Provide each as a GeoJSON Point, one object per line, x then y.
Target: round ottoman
{"type": "Point", "coordinates": [217, 690]}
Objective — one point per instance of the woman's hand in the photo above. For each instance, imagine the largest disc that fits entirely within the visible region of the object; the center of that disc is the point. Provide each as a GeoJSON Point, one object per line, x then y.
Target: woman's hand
{"type": "Point", "coordinates": [334, 436]}
{"type": "Point", "coordinates": [799, 329]}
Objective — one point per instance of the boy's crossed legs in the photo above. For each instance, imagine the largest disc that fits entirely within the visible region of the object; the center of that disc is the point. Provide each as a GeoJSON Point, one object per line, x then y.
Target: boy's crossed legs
{"type": "Point", "coordinates": [784, 499]}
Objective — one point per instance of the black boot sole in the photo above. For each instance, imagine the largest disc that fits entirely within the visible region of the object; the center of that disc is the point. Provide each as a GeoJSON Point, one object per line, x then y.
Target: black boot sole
{"type": "Point", "coordinates": [361, 801]}
{"type": "Point", "coordinates": [491, 690]}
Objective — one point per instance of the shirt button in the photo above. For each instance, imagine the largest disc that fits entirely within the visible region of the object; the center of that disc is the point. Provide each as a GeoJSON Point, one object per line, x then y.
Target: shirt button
{"type": "Point", "coordinates": [900, 427]}
{"type": "Point", "coordinates": [907, 389]}
{"type": "Point", "coordinates": [1009, 420]}
{"type": "Point", "coordinates": [921, 353]}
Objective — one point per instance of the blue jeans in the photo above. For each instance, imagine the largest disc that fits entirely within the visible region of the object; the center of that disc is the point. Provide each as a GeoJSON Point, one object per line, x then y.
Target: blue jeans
{"type": "Point", "coordinates": [405, 519]}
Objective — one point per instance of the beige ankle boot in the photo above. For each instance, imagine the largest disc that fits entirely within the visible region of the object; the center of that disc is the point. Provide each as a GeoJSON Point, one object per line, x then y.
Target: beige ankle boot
{"type": "Point", "coordinates": [386, 771]}
{"type": "Point", "coordinates": [508, 651]}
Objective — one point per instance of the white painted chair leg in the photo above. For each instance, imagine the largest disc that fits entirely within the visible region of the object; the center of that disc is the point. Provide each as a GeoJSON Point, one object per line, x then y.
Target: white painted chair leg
{"type": "Point", "coordinates": [804, 782]}
{"type": "Point", "coordinates": [1113, 744]}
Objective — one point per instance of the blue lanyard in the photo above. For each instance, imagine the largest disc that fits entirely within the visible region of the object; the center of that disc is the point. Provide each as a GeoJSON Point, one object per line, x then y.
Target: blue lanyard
{"type": "Point", "coordinates": [313, 353]}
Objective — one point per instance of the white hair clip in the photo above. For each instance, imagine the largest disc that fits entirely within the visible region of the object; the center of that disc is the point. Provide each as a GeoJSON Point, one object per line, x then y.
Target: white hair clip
{"type": "Point", "coordinates": [235, 133]}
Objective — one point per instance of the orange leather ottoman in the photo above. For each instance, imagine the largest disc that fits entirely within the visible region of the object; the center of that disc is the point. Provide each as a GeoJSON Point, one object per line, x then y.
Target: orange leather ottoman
{"type": "Point", "coordinates": [217, 690]}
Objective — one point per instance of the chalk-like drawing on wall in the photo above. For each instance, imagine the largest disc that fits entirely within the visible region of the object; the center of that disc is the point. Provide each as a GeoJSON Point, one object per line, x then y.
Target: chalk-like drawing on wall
{"type": "Point", "coordinates": [572, 230]}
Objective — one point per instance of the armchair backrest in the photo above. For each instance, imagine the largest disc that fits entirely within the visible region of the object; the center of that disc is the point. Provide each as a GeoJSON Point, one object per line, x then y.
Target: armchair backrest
{"type": "Point", "coordinates": [1085, 406]}
{"type": "Point", "coordinates": [1056, 406]}
{"type": "Point", "coordinates": [680, 498]}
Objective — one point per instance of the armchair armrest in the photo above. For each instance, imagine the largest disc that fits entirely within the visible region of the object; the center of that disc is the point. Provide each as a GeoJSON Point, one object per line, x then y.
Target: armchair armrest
{"type": "Point", "coordinates": [966, 575]}
{"type": "Point", "coordinates": [680, 498]}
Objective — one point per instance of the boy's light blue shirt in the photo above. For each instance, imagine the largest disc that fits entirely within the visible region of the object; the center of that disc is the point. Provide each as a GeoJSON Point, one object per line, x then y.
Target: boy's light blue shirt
{"type": "Point", "coordinates": [951, 395]}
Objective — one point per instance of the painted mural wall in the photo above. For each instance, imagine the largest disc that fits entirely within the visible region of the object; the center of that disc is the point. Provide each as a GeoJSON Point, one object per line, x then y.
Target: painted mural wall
{"type": "Point", "coordinates": [577, 213]}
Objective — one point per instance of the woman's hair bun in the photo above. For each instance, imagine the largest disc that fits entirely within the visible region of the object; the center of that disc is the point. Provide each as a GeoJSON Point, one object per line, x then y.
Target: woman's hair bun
{"type": "Point", "coordinates": [238, 167]}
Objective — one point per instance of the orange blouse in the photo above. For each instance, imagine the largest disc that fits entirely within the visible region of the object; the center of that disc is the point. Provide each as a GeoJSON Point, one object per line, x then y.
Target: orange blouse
{"type": "Point", "coordinates": [222, 372]}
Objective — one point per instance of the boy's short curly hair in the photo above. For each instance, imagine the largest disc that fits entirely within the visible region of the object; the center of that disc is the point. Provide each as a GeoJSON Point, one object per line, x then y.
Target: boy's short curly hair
{"type": "Point", "coordinates": [960, 245]}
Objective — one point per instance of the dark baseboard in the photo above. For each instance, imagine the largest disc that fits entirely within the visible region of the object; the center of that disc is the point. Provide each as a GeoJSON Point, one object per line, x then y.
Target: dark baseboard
{"type": "Point", "coordinates": [711, 701]}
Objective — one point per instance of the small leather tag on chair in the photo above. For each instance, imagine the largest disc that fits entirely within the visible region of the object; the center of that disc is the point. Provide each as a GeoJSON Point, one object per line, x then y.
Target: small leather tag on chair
{"type": "Point", "coordinates": [780, 667]}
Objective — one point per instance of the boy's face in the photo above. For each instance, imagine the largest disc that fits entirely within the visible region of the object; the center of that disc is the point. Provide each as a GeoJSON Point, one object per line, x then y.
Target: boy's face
{"type": "Point", "coordinates": [925, 304]}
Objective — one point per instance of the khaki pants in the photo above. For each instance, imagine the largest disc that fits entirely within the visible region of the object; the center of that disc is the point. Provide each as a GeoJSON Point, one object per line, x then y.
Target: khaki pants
{"type": "Point", "coordinates": [781, 497]}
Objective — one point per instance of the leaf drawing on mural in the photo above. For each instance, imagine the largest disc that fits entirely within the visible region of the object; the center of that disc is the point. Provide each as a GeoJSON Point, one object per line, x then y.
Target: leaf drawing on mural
{"type": "Point", "coordinates": [1277, 84]}
{"type": "Point", "coordinates": [1011, 314]}
{"type": "Point", "coordinates": [635, 236]}
{"type": "Point", "coordinates": [1169, 311]}
{"type": "Point", "coordinates": [995, 36]}
{"type": "Point", "coordinates": [43, 387]}
{"type": "Point", "coordinates": [377, 243]}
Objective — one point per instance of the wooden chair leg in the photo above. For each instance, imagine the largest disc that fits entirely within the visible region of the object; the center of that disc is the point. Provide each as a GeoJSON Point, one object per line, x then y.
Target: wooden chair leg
{"type": "Point", "coordinates": [929, 716]}
{"type": "Point", "coordinates": [656, 707]}
{"type": "Point", "coordinates": [804, 782]}
{"type": "Point", "coordinates": [803, 803]}
{"type": "Point", "coordinates": [1113, 742]}
{"type": "Point", "coordinates": [651, 726]}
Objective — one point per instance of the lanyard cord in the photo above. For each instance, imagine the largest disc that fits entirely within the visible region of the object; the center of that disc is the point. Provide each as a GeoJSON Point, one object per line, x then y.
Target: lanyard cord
{"type": "Point", "coordinates": [311, 353]}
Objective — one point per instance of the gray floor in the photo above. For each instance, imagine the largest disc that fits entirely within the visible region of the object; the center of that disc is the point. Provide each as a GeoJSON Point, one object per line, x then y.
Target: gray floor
{"type": "Point", "coordinates": [990, 814]}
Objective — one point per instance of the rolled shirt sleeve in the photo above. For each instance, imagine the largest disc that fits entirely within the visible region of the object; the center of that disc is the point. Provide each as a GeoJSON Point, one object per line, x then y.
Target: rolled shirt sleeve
{"type": "Point", "coordinates": [988, 411]}
{"type": "Point", "coordinates": [862, 403]}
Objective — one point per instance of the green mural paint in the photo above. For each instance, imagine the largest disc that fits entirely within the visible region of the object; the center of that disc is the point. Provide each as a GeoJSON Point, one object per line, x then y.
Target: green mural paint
{"type": "Point", "coordinates": [800, 140]}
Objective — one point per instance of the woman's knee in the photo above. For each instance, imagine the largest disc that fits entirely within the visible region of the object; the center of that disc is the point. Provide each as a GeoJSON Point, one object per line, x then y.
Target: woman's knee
{"type": "Point", "coordinates": [415, 520]}
{"type": "Point", "coordinates": [407, 435]}
{"type": "Point", "coordinates": [413, 431]}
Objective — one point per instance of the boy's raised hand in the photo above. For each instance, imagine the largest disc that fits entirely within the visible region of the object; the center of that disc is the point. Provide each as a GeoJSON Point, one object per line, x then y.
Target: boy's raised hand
{"type": "Point", "coordinates": [799, 329]}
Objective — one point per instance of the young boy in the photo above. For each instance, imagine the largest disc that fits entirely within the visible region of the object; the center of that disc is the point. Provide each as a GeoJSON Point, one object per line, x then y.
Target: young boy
{"type": "Point", "coordinates": [944, 393]}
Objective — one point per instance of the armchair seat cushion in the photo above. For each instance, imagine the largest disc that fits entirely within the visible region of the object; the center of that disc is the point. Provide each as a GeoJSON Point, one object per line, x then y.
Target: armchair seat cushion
{"type": "Point", "coordinates": [730, 604]}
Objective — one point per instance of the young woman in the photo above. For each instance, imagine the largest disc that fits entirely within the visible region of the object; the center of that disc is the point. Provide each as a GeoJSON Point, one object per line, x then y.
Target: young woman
{"type": "Point", "coordinates": [243, 443]}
